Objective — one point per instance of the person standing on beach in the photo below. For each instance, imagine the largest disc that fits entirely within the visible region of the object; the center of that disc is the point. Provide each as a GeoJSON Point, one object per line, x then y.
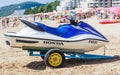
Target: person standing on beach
{"type": "Point", "coordinates": [3, 23]}
{"type": "Point", "coordinates": [7, 21]}
{"type": "Point", "coordinates": [41, 18]}
{"type": "Point", "coordinates": [14, 22]}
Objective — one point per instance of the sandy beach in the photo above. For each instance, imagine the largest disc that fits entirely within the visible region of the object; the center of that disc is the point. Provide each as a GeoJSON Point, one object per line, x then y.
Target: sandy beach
{"type": "Point", "coordinates": [15, 61]}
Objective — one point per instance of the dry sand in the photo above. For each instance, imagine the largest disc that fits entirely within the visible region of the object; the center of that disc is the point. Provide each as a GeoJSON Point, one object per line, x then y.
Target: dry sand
{"type": "Point", "coordinates": [15, 61]}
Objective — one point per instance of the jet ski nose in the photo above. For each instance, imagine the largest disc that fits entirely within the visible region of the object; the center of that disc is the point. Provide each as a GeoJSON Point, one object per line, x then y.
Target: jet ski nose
{"type": "Point", "coordinates": [107, 41]}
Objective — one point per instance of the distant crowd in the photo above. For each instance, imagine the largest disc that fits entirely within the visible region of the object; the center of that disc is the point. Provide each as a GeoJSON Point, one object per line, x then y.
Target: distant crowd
{"type": "Point", "coordinates": [106, 14]}
{"type": "Point", "coordinates": [61, 17]}
{"type": "Point", "coordinates": [7, 22]}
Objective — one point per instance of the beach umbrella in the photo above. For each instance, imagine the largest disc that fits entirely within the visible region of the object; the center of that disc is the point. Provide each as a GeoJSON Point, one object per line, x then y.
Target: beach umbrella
{"type": "Point", "coordinates": [65, 12]}
{"type": "Point", "coordinates": [100, 8]}
{"type": "Point", "coordinates": [78, 10]}
{"type": "Point", "coordinates": [72, 12]}
{"type": "Point", "coordinates": [115, 10]}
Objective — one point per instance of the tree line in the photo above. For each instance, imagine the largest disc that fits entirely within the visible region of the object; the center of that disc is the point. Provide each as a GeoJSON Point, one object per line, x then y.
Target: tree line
{"type": "Point", "coordinates": [49, 7]}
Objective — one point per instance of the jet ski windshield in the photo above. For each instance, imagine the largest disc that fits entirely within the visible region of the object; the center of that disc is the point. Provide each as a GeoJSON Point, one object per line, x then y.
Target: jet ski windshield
{"type": "Point", "coordinates": [89, 28]}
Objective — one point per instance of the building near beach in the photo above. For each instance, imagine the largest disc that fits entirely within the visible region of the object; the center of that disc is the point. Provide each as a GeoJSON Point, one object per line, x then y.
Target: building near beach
{"type": "Point", "coordinates": [71, 4]}
{"type": "Point", "coordinates": [115, 3]}
{"type": "Point", "coordinates": [17, 13]}
{"type": "Point", "coordinates": [84, 3]}
{"type": "Point", "coordinates": [100, 3]}
{"type": "Point", "coordinates": [67, 5]}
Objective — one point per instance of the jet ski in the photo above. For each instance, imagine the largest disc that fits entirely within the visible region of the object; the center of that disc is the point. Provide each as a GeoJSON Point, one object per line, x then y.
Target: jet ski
{"type": "Point", "coordinates": [68, 37]}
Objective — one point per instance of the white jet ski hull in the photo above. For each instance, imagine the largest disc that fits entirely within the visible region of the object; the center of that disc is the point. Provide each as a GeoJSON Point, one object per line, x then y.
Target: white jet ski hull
{"type": "Point", "coordinates": [82, 45]}
{"type": "Point", "coordinates": [34, 37]}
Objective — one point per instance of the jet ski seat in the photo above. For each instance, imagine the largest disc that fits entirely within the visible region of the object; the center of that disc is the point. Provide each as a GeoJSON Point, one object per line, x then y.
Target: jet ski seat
{"type": "Point", "coordinates": [65, 31]}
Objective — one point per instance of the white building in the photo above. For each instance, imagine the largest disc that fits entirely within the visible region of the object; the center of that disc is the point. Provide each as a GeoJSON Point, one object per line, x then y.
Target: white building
{"type": "Point", "coordinates": [99, 3]}
{"type": "Point", "coordinates": [115, 3]}
{"type": "Point", "coordinates": [67, 5]}
{"type": "Point", "coordinates": [18, 13]}
{"type": "Point", "coordinates": [84, 3]}
{"type": "Point", "coordinates": [70, 4]}
{"type": "Point", "coordinates": [104, 3]}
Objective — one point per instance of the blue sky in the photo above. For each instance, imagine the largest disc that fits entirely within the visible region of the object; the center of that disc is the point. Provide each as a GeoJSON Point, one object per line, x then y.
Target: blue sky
{"type": "Point", "coordinates": [8, 2]}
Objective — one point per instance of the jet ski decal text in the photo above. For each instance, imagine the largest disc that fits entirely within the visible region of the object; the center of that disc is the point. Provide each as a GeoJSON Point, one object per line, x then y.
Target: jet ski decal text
{"type": "Point", "coordinates": [54, 43]}
{"type": "Point", "coordinates": [93, 42]}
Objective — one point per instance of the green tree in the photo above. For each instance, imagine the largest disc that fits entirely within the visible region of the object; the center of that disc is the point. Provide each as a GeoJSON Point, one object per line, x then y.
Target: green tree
{"type": "Point", "coordinates": [49, 7]}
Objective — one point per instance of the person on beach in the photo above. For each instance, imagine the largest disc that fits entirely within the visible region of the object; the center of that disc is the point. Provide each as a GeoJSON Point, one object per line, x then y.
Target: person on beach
{"type": "Point", "coordinates": [14, 22]}
{"type": "Point", "coordinates": [7, 21]}
{"type": "Point", "coordinates": [3, 23]}
{"type": "Point", "coordinates": [41, 17]}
